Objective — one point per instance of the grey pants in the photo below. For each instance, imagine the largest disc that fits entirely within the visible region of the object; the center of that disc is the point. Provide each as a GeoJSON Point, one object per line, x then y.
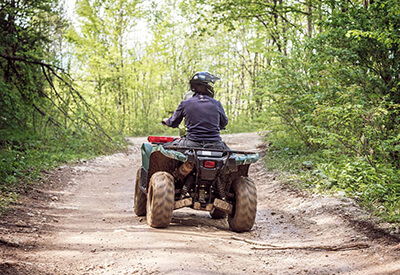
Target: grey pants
{"type": "Point", "coordinates": [184, 142]}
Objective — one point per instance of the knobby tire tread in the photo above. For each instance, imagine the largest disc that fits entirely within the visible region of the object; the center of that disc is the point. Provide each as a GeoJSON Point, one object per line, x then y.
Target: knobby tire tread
{"type": "Point", "coordinates": [140, 199]}
{"type": "Point", "coordinates": [160, 200]}
{"type": "Point", "coordinates": [245, 207]}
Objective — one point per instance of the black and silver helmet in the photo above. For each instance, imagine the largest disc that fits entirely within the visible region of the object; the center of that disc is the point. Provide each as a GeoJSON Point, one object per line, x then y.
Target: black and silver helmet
{"type": "Point", "coordinates": [203, 79]}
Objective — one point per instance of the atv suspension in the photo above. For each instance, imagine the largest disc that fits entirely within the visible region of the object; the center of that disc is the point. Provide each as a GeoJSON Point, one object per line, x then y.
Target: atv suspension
{"type": "Point", "coordinates": [221, 188]}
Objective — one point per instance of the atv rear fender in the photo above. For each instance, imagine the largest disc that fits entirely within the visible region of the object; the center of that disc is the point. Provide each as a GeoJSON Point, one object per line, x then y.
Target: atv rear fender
{"type": "Point", "coordinates": [157, 158]}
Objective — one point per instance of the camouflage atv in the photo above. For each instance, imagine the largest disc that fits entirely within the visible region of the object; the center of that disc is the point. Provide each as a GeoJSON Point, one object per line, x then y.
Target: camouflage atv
{"type": "Point", "coordinates": [203, 179]}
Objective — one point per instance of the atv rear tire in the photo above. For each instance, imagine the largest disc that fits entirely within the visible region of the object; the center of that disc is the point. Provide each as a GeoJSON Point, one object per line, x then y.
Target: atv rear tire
{"type": "Point", "coordinates": [140, 198]}
{"type": "Point", "coordinates": [160, 200]}
{"type": "Point", "coordinates": [245, 206]}
{"type": "Point", "coordinates": [217, 214]}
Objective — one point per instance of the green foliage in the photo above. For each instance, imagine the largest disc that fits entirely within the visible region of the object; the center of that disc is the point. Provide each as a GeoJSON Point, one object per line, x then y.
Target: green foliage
{"type": "Point", "coordinates": [44, 120]}
{"type": "Point", "coordinates": [137, 84]}
{"type": "Point", "coordinates": [331, 101]}
{"type": "Point", "coordinates": [244, 125]}
{"type": "Point", "coordinates": [25, 154]}
{"type": "Point", "coordinates": [328, 170]}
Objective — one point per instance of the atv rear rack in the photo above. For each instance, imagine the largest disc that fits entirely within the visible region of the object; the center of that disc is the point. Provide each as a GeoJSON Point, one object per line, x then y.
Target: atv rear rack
{"type": "Point", "coordinates": [208, 149]}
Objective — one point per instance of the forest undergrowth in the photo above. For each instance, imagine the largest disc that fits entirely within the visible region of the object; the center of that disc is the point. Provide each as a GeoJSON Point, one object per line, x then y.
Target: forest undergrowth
{"type": "Point", "coordinates": [26, 155]}
{"type": "Point", "coordinates": [334, 173]}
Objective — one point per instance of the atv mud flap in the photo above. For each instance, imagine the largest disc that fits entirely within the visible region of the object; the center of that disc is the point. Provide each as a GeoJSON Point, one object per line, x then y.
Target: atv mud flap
{"type": "Point", "coordinates": [223, 206]}
{"type": "Point", "coordinates": [183, 203]}
{"type": "Point", "coordinates": [197, 206]}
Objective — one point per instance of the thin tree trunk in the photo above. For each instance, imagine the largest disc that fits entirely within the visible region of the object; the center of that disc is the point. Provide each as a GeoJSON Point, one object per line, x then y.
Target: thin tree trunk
{"type": "Point", "coordinates": [309, 19]}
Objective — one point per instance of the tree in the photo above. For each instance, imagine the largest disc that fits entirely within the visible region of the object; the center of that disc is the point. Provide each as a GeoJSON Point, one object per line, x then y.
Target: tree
{"type": "Point", "coordinates": [101, 51]}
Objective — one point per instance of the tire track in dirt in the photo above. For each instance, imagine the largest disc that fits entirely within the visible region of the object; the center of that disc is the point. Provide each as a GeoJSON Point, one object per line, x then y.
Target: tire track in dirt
{"type": "Point", "coordinates": [90, 228]}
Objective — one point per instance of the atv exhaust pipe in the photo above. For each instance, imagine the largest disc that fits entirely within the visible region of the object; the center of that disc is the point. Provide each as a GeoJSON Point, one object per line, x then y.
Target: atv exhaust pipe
{"type": "Point", "coordinates": [184, 170]}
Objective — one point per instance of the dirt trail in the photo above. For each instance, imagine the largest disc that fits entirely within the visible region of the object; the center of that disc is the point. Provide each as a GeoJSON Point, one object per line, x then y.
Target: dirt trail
{"type": "Point", "coordinates": [84, 224]}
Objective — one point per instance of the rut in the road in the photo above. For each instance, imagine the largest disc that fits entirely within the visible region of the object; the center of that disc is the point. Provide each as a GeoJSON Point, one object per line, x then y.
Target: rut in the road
{"type": "Point", "coordinates": [270, 246]}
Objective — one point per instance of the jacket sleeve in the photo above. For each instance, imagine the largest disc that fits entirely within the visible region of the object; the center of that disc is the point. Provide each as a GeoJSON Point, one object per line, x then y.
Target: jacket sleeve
{"type": "Point", "coordinates": [223, 119]}
{"type": "Point", "coordinates": [177, 117]}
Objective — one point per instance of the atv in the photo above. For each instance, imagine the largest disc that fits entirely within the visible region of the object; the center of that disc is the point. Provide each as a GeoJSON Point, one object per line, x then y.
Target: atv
{"type": "Point", "coordinates": [172, 177]}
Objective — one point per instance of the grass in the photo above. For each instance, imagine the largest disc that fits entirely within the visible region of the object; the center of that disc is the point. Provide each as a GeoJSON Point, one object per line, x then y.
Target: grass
{"type": "Point", "coordinates": [24, 155]}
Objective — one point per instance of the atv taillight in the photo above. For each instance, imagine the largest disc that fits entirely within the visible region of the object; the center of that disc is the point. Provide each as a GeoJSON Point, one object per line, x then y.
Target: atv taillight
{"type": "Point", "coordinates": [209, 164]}
{"type": "Point", "coordinates": [154, 139]}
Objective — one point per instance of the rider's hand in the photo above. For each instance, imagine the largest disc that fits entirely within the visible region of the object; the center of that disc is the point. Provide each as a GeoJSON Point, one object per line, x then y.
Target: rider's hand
{"type": "Point", "coordinates": [164, 121]}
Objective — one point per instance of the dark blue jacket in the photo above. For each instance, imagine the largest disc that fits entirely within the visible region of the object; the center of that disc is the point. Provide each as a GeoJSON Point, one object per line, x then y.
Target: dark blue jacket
{"type": "Point", "coordinates": [204, 118]}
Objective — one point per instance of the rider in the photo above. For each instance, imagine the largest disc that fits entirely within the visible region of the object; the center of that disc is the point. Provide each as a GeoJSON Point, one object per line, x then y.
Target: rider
{"type": "Point", "coordinates": [204, 115]}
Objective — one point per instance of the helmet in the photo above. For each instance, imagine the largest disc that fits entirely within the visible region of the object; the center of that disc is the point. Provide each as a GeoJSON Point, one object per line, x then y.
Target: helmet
{"type": "Point", "coordinates": [204, 79]}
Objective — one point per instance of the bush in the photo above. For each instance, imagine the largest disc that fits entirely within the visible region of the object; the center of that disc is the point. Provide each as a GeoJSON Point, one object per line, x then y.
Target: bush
{"type": "Point", "coordinates": [329, 170]}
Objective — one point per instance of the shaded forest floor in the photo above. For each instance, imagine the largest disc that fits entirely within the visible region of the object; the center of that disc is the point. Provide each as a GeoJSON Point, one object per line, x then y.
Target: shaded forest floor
{"type": "Point", "coordinates": [82, 222]}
